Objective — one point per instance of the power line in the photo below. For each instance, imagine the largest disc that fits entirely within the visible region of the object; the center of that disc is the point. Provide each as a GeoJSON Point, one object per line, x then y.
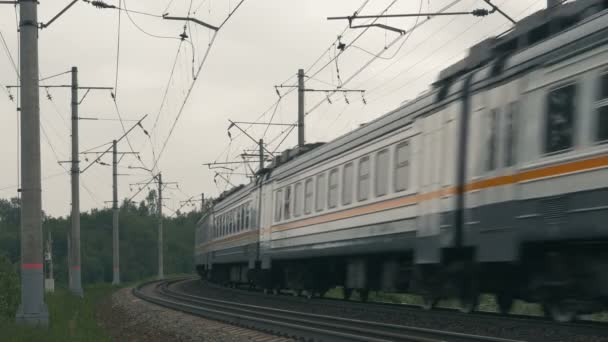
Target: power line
{"type": "Point", "coordinates": [425, 59]}
{"type": "Point", "coordinates": [402, 43]}
{"type": "Point", "coordinates": [325, 52]}
{"type": "Point", "coordinates": [56, 75]}
{"type": "Point", "coordinates": [189, 92]}
{"type": "Point", "coordinates": [8, 54]}
{"type": "Point", "coordinates": [48, 141]}
{"type": "Point", "coordinates": [44, 178]}
{"type": "Point", "coordinates": [163, 101]}
{"type": "Point", "coordinates": [117, 51]}
{"type": "Point", "coordinates": [369, 62]}
{"type": "Point", "coordinates": [183, 105]}
{"type": "Point", "coordinates": [142, 30]}
{"type": "Point", "coordinates": [122, 124]}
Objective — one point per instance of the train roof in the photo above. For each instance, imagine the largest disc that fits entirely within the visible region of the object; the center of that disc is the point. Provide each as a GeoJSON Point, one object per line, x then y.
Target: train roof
{"type": "Point", "coordinates": [525, 33]}
{"type": "Point", "coordinates": [482, 57]}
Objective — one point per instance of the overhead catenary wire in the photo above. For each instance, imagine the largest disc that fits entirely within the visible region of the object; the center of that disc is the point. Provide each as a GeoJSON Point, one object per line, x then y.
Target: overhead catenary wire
{"type": "Point", "coordinates": [319, 59]}
{"type": "Point", "coordinates": [141, 29]}
{"type": "Point", "coordinates": [402, 43]}
{"type": "Point", "coordinates": [54, 175]}
{"type": "Point", "coordinates": [166, 91]}
{"type": "Point", "coordinates": [189, 92]}
{"type": "Point", "coordinates": [379, 54]}
{"type": "Point", "coordinates": [424, 59]}
{"type": "Point", "coordinates": [118, 34]}
{"type": "Point", "coordinates": [8, 54]}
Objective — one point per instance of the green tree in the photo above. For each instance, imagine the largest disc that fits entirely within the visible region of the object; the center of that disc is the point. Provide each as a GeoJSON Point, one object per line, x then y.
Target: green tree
{"type": "Point", "coordinates": [138, 240]}
{"type": "Point", "coordinates": [9, 289]}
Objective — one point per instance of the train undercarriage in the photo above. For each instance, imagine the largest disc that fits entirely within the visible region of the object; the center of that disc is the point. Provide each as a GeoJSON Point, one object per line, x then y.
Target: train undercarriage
{"type": "Point", "coordinates": [569, 279]}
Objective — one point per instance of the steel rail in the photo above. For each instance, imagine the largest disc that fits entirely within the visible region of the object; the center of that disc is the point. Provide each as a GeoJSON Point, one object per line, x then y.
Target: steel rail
{"type": "Point", "coordinates": [294, 323]}
{"type": "Point", "coordinates": [601, 328]}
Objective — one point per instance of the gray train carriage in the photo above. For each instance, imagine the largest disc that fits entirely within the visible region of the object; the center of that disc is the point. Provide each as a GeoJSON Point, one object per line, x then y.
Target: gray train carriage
{"type": "Point", "coordinates": [227, 237]}
{"type": "Point", "coordinates": [494, 181]}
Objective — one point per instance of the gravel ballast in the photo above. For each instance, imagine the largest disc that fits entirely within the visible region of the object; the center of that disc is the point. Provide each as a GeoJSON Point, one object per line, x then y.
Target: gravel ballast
{"type": "Point", "coordinates": [128, 318]}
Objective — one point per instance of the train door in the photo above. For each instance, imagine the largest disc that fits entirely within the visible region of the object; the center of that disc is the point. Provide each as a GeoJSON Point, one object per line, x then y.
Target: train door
{"type": "Point", "coordinates": [448, 152]}
{"type": "Point", "coordinates": [428, 244]}
{"type": "Point", "coordinates": [490, 192]}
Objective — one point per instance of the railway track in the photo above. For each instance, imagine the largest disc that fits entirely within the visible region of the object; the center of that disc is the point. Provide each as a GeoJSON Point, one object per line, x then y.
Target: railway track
{"type": "Point", "coordinates": [481, 316]}
{"type": "Point", "coordinates": [295, 324]}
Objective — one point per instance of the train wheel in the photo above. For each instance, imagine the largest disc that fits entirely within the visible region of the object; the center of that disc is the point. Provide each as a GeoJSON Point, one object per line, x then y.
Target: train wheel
{"type": "Point", "coordinates": [428, 302]}
{"type": "Point", "coordinates": [468, 300]}
{"type": "Point", "coordinates": [559, 311]}
{"type": "Point", "coordinates": [364, 295]}
{"type": "Point", "coordinates": [505, 302]}
{"type": "Point", "coordinates": [348, 293]}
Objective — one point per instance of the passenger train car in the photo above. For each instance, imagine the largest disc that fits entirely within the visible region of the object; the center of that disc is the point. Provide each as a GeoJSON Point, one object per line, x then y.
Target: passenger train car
{"type": "Point", "coordinates": [493, 181]}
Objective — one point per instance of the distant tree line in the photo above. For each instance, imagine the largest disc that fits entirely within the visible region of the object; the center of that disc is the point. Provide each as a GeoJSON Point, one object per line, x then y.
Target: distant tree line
{"type": "Point", "coordinates": [138, 240]}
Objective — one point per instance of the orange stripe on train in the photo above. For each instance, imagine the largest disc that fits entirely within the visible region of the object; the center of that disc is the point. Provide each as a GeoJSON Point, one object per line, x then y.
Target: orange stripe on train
{"type": "Point", "coordinates": [550, 171]}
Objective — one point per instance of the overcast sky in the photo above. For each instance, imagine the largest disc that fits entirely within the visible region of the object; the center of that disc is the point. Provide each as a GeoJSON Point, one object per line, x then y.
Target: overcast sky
{"type": "Point", "coordinates": [261, 45]}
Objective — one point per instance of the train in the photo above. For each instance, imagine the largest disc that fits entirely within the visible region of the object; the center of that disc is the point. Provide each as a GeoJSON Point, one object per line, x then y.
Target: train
{"type": "Point", "coordinates": [494, 180]}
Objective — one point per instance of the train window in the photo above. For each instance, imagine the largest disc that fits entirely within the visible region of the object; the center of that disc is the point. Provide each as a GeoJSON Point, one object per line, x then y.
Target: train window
{"type": "Point", "coordinates": [511, 115]}
{"type": "Point", "coordinates": [602, 109]}
{"type": "Point", "coordinates": [347, 184]}
{"type": "Point", "coordinates": [247, 222]}
{"type": "Point", "coordinates": [223, 227]}
{"type": "Point", "coordinates": [402, 166]}
{"type": "Point", "coordinates": [492, 139]}
{"type": "Point", "coordinates": [237, 220]}
{"type": "Point", "coordinates": [560, 119]}
{"type": "Point", "coordinates": [277, 206]}
{"type": "Point", "coordinates": [381, 175]}
{"type": "Point", "coordinates": [363, 177]}
{"type": "Point", "coordinates": [242, 217]}
{"type": "Point", "coordinates": [320, 200]}
{"type": "Point", "coordinates": [229, 226]}
{"type": "Point", "coordinates": [332, 191]}
{"type": "Point", "coordinates": [297, 200]}
{"type": "Point", "coordinates": [308, 196]}
{"type": "Point", "coordinates": [287, 204]}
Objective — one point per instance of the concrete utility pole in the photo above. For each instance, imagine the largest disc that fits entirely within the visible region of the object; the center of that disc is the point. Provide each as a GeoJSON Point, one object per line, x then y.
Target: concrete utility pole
{"type": "Point", "coordinates": [76, 281]}
{"type": "Point", "coordinates": [115, 242]}
{"type": "Point", "coordinates": [32, 309]}
{"type": "Point", "coordinates": [301, 90]}
{"type": "Point", "coordinates": [161, 272]}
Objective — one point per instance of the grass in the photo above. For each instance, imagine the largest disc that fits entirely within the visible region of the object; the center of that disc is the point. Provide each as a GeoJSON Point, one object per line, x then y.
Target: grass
{"type": "Point", "coordinates": [71, 318]}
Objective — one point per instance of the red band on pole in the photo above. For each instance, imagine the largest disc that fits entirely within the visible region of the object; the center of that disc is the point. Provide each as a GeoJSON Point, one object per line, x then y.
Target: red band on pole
{"type": "Point", "coordinates": [31, 266]}
{"type": "Point", "coordinates": [76, 267]}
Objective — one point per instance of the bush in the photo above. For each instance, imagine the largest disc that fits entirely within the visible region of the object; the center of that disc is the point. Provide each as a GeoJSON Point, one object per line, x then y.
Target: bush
{"type": "Point", "coordinates": [9, 289]}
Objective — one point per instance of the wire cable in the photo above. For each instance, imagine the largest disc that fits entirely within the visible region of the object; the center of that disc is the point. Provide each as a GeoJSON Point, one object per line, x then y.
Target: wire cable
{"type": "Point", "coordinates": [118, 31]}
{"type": "Point", "coordinates": [8, 54]}
{"type": "Point", "coordinates": [142, 30]}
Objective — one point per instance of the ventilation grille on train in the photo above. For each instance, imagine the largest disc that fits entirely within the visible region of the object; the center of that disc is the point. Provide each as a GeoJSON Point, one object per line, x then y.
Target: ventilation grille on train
{"type": "Point", "coordinates": [554, 209]}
